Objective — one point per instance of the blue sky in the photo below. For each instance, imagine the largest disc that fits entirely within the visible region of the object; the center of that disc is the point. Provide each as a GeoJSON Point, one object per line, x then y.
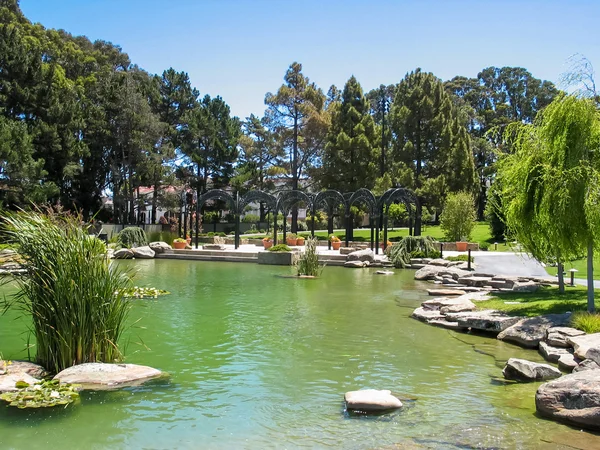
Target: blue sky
{"type": "Point", "coordinates": [240, 49]}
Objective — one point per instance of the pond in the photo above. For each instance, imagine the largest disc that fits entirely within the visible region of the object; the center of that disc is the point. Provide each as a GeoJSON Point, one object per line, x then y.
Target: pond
{"type": "Point", "coordinates": [262, 361]}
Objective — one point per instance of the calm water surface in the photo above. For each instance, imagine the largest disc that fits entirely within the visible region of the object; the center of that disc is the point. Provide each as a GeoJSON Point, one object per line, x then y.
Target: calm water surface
{"type": "Point", "coordinates": [261, 361]}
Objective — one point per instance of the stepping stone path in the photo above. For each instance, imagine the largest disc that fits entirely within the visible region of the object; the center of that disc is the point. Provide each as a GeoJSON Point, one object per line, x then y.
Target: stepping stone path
{"type": "Point", "coordinates": [98, 376]}
{"type": "Point", "coordinates": [371, 400]}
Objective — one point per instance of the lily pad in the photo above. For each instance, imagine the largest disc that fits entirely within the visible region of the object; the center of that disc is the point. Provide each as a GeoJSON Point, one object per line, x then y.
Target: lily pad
{"type": "Point", "coordinates": [45, 394]}
{"type": "Point", "coordinates": [143, 292]}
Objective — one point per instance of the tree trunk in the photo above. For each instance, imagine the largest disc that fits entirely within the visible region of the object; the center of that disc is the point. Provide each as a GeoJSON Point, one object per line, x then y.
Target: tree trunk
{"type": "Point", "coordinates": [294, 175]}
{"type": "Point", "coordinates": [561, 278]}
{"type": "Point", "coordinates": [590, 277]}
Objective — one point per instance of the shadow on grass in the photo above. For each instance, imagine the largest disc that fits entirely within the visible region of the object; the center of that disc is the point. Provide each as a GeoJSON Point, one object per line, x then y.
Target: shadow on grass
{"type": "Point", "coordinates": [547, 300]}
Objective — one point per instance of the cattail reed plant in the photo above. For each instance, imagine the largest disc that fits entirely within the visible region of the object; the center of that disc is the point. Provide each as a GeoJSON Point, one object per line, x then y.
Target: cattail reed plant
{"type": "Point", "coordinates": [73, 294]}
{"type": "Point", "coordinates": [308, 264]}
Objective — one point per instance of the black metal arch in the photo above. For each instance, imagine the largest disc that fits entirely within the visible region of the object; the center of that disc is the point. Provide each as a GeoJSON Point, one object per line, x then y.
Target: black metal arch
{"type": "Point", "coordinates": [327, 200]}
{"type": "Point", "coordinates": [395, 195]}
{"type": "Point", "coordinates": [367, 197]}
{"type": "Point", "coordinates": [285, 201]}
{"type": "Point", "coordinates": [218, 194]}
{"type": "Point", "coordinates": [257, 197]}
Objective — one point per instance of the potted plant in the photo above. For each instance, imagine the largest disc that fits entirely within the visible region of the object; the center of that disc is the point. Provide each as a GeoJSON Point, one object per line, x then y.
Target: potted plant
{"type": "Point", "coordinates": [461, 246]}
{"type": "Point", "coordinates": [179, 243]}
{"type": "Point", "coordinates": [336, 243]}
{"type": "Point", "coordinates": [291, 239]}
{"type": "Point", "coordinates": [267, 242]}
{"type": "Point", "coordinates": [300, 240]}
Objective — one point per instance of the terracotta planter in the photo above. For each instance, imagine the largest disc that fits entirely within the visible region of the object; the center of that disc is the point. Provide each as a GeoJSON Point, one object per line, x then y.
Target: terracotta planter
{"type": "Point", "coordinates": [291, 241]}
{"type": "Point", "coordinates": [336, 245]}
{"type": "Point", "coordinates": [179, 245]}
{"type": "Point", "coordinates": [300, 241]}
{"type": "Point", "coordinates": [267, 244]}
{"type": "Point", "coordinates": [461, 246]}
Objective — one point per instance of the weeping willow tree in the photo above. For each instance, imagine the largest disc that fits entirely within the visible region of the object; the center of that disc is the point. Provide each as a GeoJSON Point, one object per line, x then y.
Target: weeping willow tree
{"type": "Point", "coordinates": [551, 184]}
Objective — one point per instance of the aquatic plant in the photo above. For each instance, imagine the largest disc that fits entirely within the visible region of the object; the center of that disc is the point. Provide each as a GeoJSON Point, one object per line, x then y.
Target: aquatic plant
{"type": "Point", "coordinates": [72, 293]}
{"type": "Point", "coordinates": [308, 264]}
{"type": "Point", "coordinates": [143, 292]}
{"type": "Point", "coordinates": [45, 394]}
{"type": "Point", "coordinates": [132, 237]}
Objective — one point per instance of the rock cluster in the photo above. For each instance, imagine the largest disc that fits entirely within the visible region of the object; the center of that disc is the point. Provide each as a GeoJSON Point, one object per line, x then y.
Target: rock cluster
{"type": "Point", "coordinates": [364, 258]}
{"type": "Point", "coordinates": [572, 398]}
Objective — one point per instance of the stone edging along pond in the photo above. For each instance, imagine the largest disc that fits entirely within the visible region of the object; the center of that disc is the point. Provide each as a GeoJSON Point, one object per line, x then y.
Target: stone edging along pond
{"type": "Point", "coordinates": [572, 398]}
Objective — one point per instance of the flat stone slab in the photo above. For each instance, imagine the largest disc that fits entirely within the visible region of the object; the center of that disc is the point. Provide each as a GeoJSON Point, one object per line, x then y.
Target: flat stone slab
{"type": "Point", "coordinates": [551, 353]}
{"type": "Point", "coordinates": [573, 398]}
{"type": "Point", "coordinates": [488, 320]}
{"type": "Point", "coordinates": [356, 264]}
{"type": "Point", "coordinates": [529, 332]}
{"type": "Point", "coordinates": [583, 344]}
{"type": "Point", "coordinates": [429, 272]}
{"type": "Point", "coordinates": [557, 336]}
{"type": "Point", "coordinates": [213, 247]}
{"type": "Point", "coordinates": [361, 255]}
{"type": "Point", "coordinates": [123, 253]}
{"type": "Point", "coordinates": [7, 382]}
{"type": "Point", "coordinates": [98, 376]}
{"type": "Point", "coordinates": [445, 292]}
{"type": "Point", "coordinates": [159, 246]}
{"type": "Point", "coordinates": [568, 362]}
{"type": "Point", "coordinates": [384, 272]}
{"type": "Point", "coordinates": [443, 323]}
{"type": "Point", "coordinates": [371, 400]}
{"type": "Point", "coordinates": [426, 315]}
{"type": "Point", "coordinates": [524, 370]}
{"type": "Point", "coordinates": [474, 281]}
{"type": "Point", "coordinates": [440, 302]}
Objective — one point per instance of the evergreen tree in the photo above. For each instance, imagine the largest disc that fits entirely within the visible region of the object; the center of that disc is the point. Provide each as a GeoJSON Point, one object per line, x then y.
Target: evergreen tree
{"type": "Point", "coordinates": [430, 140]}
{"type": "Point", "coordinates": [350, 158]}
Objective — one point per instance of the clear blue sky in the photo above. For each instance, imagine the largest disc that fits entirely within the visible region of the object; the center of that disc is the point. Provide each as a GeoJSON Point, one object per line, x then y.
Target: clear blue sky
{"type": "Point", "coordinates": [240, 49]}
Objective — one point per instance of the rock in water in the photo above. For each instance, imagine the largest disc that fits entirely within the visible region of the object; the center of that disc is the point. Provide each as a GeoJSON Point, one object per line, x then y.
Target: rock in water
{"type": "Point", "coordinates": [573, 398]}
{"type": "Point", "coordinates": [96, 376]}
{"type": "Point", "coordinates": [371, 400]}
{"type": "Point", "coordinates": [523, 370]}
{"type": "Point", "coordinates": [123, 253]}
{"type": "Point", "coordinates": [583, 344]}
{"type": "Point", "coordinates": [8, 382]}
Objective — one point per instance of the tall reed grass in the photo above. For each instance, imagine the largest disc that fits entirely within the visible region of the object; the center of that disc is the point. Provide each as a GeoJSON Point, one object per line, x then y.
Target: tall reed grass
{"type": "Point", "coordinates": [308, 264]}
{"type": "Point", "coordinates": [72, 293]}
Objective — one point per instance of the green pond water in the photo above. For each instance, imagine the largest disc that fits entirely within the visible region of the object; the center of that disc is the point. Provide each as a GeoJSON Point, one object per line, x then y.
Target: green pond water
{"type": "Point", "coordinates": [262, 361]}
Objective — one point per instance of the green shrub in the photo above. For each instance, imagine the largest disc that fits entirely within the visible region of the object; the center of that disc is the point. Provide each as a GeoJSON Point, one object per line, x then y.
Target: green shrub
{"type": "Point", "coordinates": [458, 218]}
{"type": "Point", "coordinates": [401, 252]}
{"type": "Point", "coordinates": [421, 254]}
{"type": "Point", "coordinates": [308, 264]}
{"type": "Point", "coordinates": [250, 218]}
{"type": "Point", "coordinates": [221, 233]}
{"type": "Point", "coordinates": [164, 236]}
{"type": "Point", "coordinates": [464, 258]}
{"type": "Point", "coordinates": [585, 321]}
{"type": "Point", "coordinates": [210, 217]}
{"type": "Point", "coordinates": [280, 248]}
{"type": "Point", "coordinates": [70, 290]}
{"type": "Point", "coordinates": [484, 246]}
{"type": "Point", "coordinates": [210, 234]}
{"type": "Point", "coordinates": [132, 237]}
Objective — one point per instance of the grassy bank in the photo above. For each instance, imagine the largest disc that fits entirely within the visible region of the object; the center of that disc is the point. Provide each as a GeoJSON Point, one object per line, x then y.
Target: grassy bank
{"type": "Point", "coordinates": [547, 300]}
{"type": "Point", "coordinates": [580, 265]}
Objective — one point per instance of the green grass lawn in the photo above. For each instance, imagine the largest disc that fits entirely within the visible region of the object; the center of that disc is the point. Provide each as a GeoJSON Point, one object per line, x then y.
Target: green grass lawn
{"type": "Point", "coordinates": [580, 265]}
{"type": "Point", "coordinates": [546, 300]}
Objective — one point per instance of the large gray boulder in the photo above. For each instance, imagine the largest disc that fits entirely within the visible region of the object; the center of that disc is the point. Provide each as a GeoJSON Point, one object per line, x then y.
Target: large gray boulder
{"type": "Point", "coordinates": [371, 400]}
{"type": "Point", "coordinates": [573, 398]}
{"type": "Point", "coordinates": [568, 362]}
{"type": "Point", "coordinates": [159, 247]}
{"type": "Point", "coordinates": [98, 376]}
{"type": "Point", "coordinates": [123, 253]}
{"type": "Point", "coordinates": [557, 336]}
{"type": "Point", "coordinates": [361, 255]}
{"type": "Point", "coordinates": [448, 305]}
{"type": "Point", "coordinates": [474, 281]}
{"type": "Point", "coordinates": [583, 344]}
{"type": "Point", "coordinates": [523, 370]}
{"type": "Point", "coordinates": [144, 252]}
{"type": "Point", "coordinates": [446, 292]}
{"type": "Point", "coordinates": [529, 332]}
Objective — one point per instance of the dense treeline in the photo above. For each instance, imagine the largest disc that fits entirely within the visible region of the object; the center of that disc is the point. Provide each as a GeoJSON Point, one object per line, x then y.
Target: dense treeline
{"type": "Point", "coordinates": [79, 119]}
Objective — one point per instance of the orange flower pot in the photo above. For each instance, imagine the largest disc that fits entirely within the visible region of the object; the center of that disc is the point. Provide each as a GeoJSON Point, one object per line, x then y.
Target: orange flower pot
{"type": "Point", "coordinates": [267, 244]}
{"type": "Point", "coordinates": [336, 245]}
{"type": "Point", "coordinates": [461, 246]}
{"type": "Point", "coordinates": [179, 245]}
